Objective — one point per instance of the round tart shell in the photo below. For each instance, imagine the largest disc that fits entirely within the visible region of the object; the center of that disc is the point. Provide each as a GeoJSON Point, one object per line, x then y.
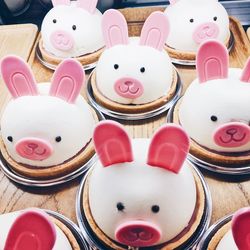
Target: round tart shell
{"type": "Point", "coordinates": [84, 60]}
{"type": "Point", "coordinates": [68, 233]}
{"type": "Point", "coordinates": [53, 171]}
{"type": "Point", "coordinates": [218, 236]}
{"type": "Point", "coordinates": [213, 157]}
{"type": "Point", "coordinates": [185, 235]}
{"type": "Point", "coordinates": [133, 109]}
{"type": "Point", "coordinates": [186, 55]}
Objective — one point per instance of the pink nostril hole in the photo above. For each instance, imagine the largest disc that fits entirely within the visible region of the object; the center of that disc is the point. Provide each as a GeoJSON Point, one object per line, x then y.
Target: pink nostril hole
{"type": "Point", "coordinates": [32, 145]}
{"type": "Point", "coordinates": [231, 131]}
{"type": "Point", "coordinates": [128, 84]}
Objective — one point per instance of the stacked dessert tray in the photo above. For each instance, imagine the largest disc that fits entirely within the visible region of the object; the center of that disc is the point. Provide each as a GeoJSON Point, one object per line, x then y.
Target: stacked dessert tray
{"type": "Point", "coordinates": [228, 193]}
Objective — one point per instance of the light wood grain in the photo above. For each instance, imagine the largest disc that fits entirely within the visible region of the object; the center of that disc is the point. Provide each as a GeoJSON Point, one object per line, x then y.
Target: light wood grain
{"type": "Point", "coordinates": [228, 195]}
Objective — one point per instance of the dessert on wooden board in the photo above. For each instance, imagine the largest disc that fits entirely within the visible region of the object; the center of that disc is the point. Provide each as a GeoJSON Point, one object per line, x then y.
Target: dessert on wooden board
{"type": "Point", "coordinates": [129, 197]}
{"type": "Point", "coordinates": [134, 74]}
{"type": "Point", "coordinates": [72, 29]}
{"type": "Point", "coordinates": [193, 22]}
{"type": "Point", "coordinates": [46, 128]}
{"type": "Point", "coordinates": [214, 111]}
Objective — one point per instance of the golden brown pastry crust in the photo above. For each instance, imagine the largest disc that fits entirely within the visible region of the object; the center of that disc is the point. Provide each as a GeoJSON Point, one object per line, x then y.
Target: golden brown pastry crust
{"type": "Point", "coordinates": [218, 236]}
{"type": "Point", "coordinates": [133, 109]}
{"type": "Point", "coordinates": [73, 242]}
{"type": "Point", "coordinates": [186, 55]}
{"type": "Point", "coordinates": [174, 243]}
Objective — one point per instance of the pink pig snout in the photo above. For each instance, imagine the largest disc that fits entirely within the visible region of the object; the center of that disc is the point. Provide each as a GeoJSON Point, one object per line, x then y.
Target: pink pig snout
{"type": "Point", "coordinates": [129, 88]}
{"type": "Point", "coordinates": [138, 234]}
{"type": "Point", "coordinates": [62, 40]}
{"type": "Point", "coordinates": [232, 135]}
{"type": "Point", "coordinates": [34, 149]}
{"type": "Point", "coordinates": [205, 31]}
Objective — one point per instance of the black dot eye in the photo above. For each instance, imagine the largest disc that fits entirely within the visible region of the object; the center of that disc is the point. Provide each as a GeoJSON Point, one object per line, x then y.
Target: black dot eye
{"type": "Point", "coordinates": [215, 18]}
{"type": "Point", "coordinates": [74, 27]}
{"type": "Point", "coordinates": [10, 138]}
{"type": "Point", "coordinates": [116, 66]}
{"type": "Point", "coordinates": [213, 118]}
{"type": "Point", "coordinates": [191, 20]}
{"type": "Point", "coordinates": [155, 209]}
{"type": "Point", "coordinates": [120, 206]}
{"type": "Point", "coordinates": [54, 21]}
{"type": "Point", "coordinates": [58, 138]}
{"type": "Point", "coordinates": [142, 70]}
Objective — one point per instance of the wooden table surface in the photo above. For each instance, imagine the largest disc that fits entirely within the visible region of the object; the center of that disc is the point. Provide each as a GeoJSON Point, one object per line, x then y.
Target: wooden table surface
{"type": "Point", "coordinates": [228, 195]}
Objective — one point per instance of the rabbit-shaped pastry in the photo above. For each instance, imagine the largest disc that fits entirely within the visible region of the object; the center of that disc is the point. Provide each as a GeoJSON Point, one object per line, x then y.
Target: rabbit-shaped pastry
{"type": "Point", "coordinates": [194, 21]}
{"type": "Point", "coordinates": [46, 124]}
{"type": "Point", "coordinates": [132, 191]}
{"type": "Point", "coordinates": [134, 70]}
{"type": "Point", "coordinates": [72, 28]}
{"type": "Point", "coordinates": [215, 108]}
{"type": "Point", "coordinates": [31, 229]}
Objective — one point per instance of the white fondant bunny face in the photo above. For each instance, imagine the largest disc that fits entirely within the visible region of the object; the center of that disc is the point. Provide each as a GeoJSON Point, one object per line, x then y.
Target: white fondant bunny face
{"type": "Point", "coordinates": [72, 29]}
{"type": "Point", "coordinates": [134, 71]}
{"type": "Point", "coordinates": [47, 128]}
{"type": "Point", "coordinates": [195, 21]}
{"type": "Point", "coordinates": [133, 197]}
{"type": "Point", "coordinates": [215, 110]}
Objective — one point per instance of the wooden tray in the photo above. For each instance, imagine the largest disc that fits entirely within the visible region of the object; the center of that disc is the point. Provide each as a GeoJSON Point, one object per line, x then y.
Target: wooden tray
{"type": "Point", "coordinates": [228, 195]}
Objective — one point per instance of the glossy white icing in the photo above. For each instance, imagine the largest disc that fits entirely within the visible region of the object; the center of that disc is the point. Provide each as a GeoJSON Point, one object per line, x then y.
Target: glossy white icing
{"type": "Point", "coordinates": [156, 79]}
{"type": "Point", "coordinates": [86, 37]}
{"type": "Point", "coordinates": [227, 99]}
{"type": "Point", "coordinates": [186, 18]}
{"type": "Point", "coordinates": [138, 187]}
{"type": "Point", "coordinates": [47, 117]}
{"type": "Point", "coordinates": [227, 242]}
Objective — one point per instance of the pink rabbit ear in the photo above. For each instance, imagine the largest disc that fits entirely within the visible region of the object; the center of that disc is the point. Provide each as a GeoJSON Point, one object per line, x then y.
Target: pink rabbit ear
{"type": "Point", "coordinates": [241, 228]}
{"type": "Point", "coordinates": [67, 80]}
{"type": "Point", "coordinates": [112, 143]}
{"type": "Point", "coordinates": [169, 148]}
{"type": "Point", "coordinates": [115, 28]}
{"type": "Point", "coordinates": [155, 31]}
{"type": "Point", "coordinates": [89, 5]}
{"type": "Point", "coordinates": [18, 77]}
{"type": "Point", "coordinates": [32, 230]}
{"type": "Point", "coordinates": [60, 2]}
{"type": "Point", "coordinates": [212, 61]}
{"type": "Point", "coordinates": [246, 72]}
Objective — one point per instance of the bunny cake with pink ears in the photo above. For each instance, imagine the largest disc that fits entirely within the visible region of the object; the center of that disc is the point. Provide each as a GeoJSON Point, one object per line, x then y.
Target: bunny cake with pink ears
{"type": "Point", "coordinates": [46, 129]}
{"type": "Point", "coordinates": [33, 229]}
{"type": "Point", "coordinates": [197, 22]}
{"type": "Point", "coordinates": [215, 109]}
{"type": "Point", "coordinates": [72, 29]}
{"type": "Point", "coordinates": [232, 235]}
{"type": "Point", "coordinates": [134, 74]}
{"type": "Point", "coordinates": [129, 197]}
